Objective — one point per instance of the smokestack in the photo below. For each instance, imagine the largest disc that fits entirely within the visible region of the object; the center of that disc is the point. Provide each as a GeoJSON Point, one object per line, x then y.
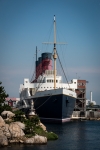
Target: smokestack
{"type": "Point", "coordinates": [91, 96]}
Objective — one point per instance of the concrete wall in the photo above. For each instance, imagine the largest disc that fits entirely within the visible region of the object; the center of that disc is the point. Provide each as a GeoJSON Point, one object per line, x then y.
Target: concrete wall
{"type": "Point", "coordinates": [89, 114]}
{"type": "Point", "coordinates": [93, 114]}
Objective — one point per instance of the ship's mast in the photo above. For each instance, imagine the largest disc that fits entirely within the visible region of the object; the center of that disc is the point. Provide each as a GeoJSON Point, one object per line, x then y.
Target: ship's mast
{"type": "Point", "coordinates": [36, 53]}
{"type": "Point", "coordinates": [36, 61]}
{"type": "Point", "coordinates": [55, 54]}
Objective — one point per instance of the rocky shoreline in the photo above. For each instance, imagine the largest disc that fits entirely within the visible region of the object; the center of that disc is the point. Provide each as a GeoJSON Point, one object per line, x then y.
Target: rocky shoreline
{"type": "Point", "coordinates": [14, 132]}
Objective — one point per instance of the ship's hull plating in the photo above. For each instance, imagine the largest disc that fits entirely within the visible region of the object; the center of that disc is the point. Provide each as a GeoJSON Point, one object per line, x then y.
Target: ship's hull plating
{"type": "Point", "coordinates": [56, 108]}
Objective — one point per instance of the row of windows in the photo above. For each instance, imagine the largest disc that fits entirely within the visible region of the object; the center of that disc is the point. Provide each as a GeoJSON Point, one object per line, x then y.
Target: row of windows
{"type": "Point", "coordinates": [53, 87]}
{"type": "Point", "coordinates": [52, 81]}
{"type": "Point", "coordinates": [83, 84]}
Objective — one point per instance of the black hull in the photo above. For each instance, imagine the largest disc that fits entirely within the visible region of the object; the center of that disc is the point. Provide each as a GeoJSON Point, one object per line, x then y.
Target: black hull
{"type": "Point", "coordinates": [55, 108]}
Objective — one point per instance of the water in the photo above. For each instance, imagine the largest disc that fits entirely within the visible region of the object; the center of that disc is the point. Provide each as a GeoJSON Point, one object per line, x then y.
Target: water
{"type": "Point", "coordinates": [84, 135]}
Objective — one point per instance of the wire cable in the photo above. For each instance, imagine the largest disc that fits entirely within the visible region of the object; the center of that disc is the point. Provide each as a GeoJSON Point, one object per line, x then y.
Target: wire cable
{"type": "Point", "coordinates": [62, 69]}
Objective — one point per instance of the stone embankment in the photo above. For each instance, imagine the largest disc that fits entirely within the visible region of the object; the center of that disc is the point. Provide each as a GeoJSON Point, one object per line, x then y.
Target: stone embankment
{"type": "Point", "coordinates": [14, 133]}
{"type": "Point", "coordinates": [88, 115]}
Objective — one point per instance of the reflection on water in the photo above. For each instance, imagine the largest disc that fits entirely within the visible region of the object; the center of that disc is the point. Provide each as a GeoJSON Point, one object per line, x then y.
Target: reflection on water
{"type": "Point", "coordinates": [82, 135]}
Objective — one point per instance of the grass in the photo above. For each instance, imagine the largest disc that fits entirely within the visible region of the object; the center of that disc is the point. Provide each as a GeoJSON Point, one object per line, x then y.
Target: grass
{"type": "Point", "coordinates": [49, 135]}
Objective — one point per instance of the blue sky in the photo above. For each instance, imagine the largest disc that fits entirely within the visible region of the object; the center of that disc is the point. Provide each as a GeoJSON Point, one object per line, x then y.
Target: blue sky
{"type": "Point", "coordinates": [25, 24]}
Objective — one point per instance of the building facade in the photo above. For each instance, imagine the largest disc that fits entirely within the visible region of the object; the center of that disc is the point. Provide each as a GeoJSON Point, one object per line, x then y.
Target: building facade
{"type": "Point", "coordinates": [12, 101]}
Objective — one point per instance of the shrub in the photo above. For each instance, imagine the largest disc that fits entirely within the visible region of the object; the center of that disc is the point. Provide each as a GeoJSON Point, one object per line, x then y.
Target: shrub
{"type": "Point", "coordinates": [18, 116]}
{"type": "Point", "coordinates": [49, 135]}
{"type": "Point", "coordinates": [52, 136]}
{"type": "Point", "coordinates": [30, 125]}
{"type": "Point", "coordinates": [5, 107]}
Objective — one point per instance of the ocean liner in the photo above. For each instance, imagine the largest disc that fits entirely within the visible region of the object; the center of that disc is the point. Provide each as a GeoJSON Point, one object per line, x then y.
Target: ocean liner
{"type": "Point", "coordinates": [53, 100]}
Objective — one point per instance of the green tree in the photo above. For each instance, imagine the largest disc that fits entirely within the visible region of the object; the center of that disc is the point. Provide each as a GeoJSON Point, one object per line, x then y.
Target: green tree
{"type": "Point", "coordinates": [19, 116]}
{"type": "Point", "coordinates": [3, 94]}
{"type": "Point", "coordinates": [91, 104]}
{"type": "Point", "coordinates": [31, 124]}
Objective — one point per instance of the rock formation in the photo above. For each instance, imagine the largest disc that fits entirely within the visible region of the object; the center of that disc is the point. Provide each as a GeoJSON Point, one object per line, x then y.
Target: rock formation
{"type": "Point", "coordinates": [43, 126]}
{"type": "Point", "coordinates": [36, 140]}
{"type": "Point", "coordinates": [14, 133]}
{"type": "Point", "coordinates": [15, 130]}
{"type": "Point", "coordinates": [7, 114]}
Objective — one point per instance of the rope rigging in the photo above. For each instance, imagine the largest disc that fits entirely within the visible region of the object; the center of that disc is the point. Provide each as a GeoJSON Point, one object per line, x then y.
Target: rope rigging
{"type": "Point", "coordinates": [43, 103]}
{"type": "Point", "coordinates": [62, 69]}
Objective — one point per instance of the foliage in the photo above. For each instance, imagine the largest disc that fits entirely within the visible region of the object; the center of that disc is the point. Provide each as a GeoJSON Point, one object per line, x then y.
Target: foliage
{"type": "Point", "coordinates": [19, 116]}
{"type": "Point", "coordinates": [18, 113]}
{"type": "Point", "coordinates": [40, 131]}
{"type": "Point", "coordinates": [3, 94]}
{"type": "Point", "coordinates": [30, 125]}
{"type": "Point", "coordinates": [52, 136]}
{"type": "Point", "coordinates": [5, 107]}
{"type": "Point", "coordinates": [35, 120]}
{"type": "Point", "coordinates": [91, 104]}
{"type": "Point", "coordinates": [49, 135]}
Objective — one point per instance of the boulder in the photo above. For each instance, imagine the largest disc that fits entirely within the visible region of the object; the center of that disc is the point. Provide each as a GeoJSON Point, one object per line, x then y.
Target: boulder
{"type": "Point", "coordinates": [20, 124]}
{"type": "Point", "coordinates": [36, 140]}
{"type": "Point", "coordinates": [7, 114]}
{"type": "Point", "coordinates": [3, 140]}
{"type": "Point", "coordinates": [1, 132]}
{"type": "Point", "coordinates": [14, 141]}
{"type": "Point", "coordinates": [2, 124]}
{"type": "Point", "coordinates": [15, 130]}
{"type": "Point", "coordinates": [43, 126]}
{"type": "Point", "coordinates": [6, 131]}
{"type": "Point", "coordinates": [40, 139]}
{"type": "Point", "coordinates": [29, 141]}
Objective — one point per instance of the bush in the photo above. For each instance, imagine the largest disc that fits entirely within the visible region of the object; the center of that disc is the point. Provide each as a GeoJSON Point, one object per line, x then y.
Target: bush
{"type": "Point", "coordinates": [30, 125]}
{"type": "Point", "coordinates": [49, 135]}
{"type": "Point", "coordinates": [18, 116]}
{"type": "Point", "coordinates": [5, 107]}
{"type": "Point", "coordinates": [52, 136]}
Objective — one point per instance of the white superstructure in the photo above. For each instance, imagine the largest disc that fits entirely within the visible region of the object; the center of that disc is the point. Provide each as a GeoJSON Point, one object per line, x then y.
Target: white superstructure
{"type": "Point", "coordinates": [45, 82]}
